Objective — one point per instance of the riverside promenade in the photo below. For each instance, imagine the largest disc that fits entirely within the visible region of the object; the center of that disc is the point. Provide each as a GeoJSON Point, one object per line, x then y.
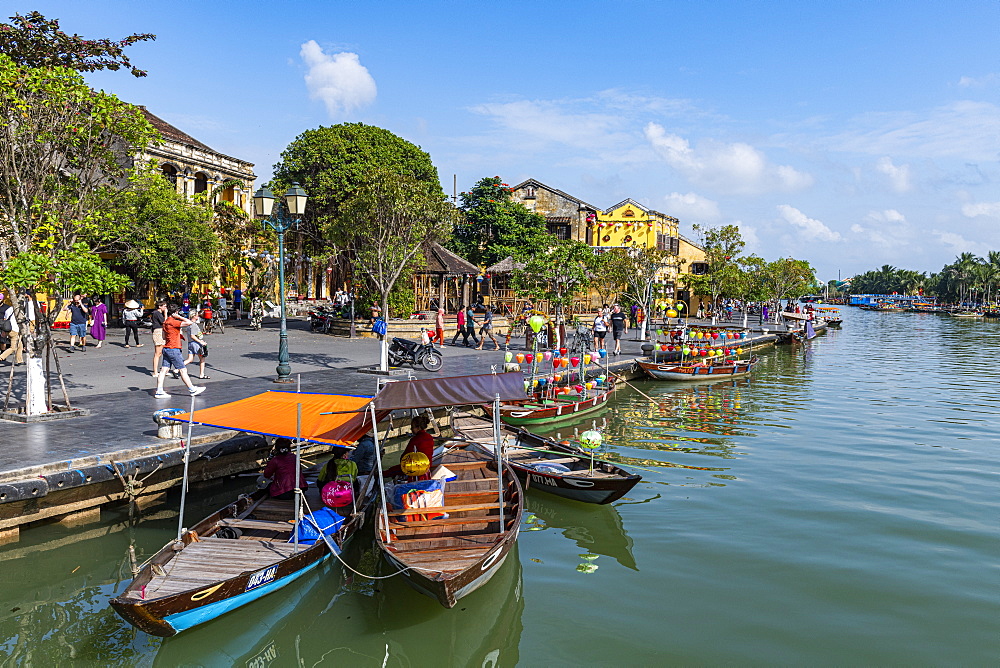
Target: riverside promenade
{"type": "Point", "coordinates": [65, 470]}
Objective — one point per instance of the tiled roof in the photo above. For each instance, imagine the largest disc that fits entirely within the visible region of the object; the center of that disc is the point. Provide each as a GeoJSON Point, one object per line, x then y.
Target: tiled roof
{"type": "Point", "coordinates": [539, 184]}
{"type": "Point", "coordinates": [440, 260]}
{"type": "Point", "coordinates": [171, 133]}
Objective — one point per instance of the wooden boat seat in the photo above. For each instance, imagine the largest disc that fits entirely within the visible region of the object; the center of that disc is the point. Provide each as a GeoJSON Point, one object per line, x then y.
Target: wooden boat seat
{"type": "Point", "coordinates": [445, 509]}
{"type": "Point", "coordinates": [212, 559]}
{"type": "Point", "coordinates": [263, 525]}
{"type": "Point", "coordinates": [446, 521]}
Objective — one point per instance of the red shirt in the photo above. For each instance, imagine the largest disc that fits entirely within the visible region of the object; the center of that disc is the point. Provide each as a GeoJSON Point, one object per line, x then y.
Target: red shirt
{"type": "Point", "coordinates": [172, 332]}
{"type": "Point", "coordinates": [421, 442]}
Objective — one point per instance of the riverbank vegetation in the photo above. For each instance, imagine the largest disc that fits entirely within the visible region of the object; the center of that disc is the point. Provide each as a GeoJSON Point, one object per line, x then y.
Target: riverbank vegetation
{"type": "Point", "coordinates": [969, 278]}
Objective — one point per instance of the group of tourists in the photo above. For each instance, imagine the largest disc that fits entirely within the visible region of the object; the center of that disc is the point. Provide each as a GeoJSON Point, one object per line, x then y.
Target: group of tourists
{"type": "Point", "coordinates": [613, 319]}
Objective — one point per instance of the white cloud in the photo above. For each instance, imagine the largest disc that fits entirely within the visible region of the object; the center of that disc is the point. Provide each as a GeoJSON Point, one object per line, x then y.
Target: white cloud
{"type": "Point", "coordinates": [548, 121]}
{"type": "Point", "coordinates": [978, 82]}
{"type": "Point", "coordinates": [812, 228]}
{"type": "Point", "coordinates": [899, 177]}
{"type": "Point", "coordinates": [960, 244]}
{"type": "Point", "coordinates": [339, 79]}
{"type": "Point", "coordinates": [731, 168]}
{"type": "Point", "coordinates": [887, 228]}
{"type": "Point", "coordinates": [990, 209]}
{"type": "Point", "coordinates": [691, 207]}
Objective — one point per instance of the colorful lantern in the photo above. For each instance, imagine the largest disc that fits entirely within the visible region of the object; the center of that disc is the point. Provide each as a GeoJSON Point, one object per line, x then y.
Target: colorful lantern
{"type": "Point", "coordinates": [528, 357]}
{"type": "Point", "coordinates": [519, 358]}
{"type": "Point", "coordinates": [591, 439]}
{"type": "Point", "coordinates": [414, 464]}
{"type": "Point", "coordinates": [563, 351]}
{"type": "Point", "coordinates": [671, 313]}
{"type": "Point", "coordinates": [508, 356]}
{"type": "Point", "coordinates": [663, 347]}
{"type": "Point", "coordinates": [589, 385]}
{"type": "Point", "coordinates": [586, 358]}
{"type": "Point", "coordinates": [547, 356]}
{"type": "Point", "coordinates": [536, 322]}
{"type": "Point", "coordinates": [704, 353]}
{"type": "Point", "coordinates": [686, 350]}
{"type": "Point", "coordinates": [575, 361]}
{"type": "Point", "coordinates": [603, 352]}
{"type": "Point", "coordinates": [340, 493]}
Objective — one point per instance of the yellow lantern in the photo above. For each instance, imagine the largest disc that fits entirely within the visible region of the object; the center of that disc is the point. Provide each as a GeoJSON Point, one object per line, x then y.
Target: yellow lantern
{"type": "Point", "coordinates": [415, 464]}
{"type": "Point", "coordinates": [671, 313]}
{"type": "Point", "coordinates": [586, 358]}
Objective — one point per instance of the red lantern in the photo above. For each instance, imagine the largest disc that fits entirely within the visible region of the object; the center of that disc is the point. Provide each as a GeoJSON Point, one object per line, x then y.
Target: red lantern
{"type": "Point", "coordinates": [529, 357]}
{"type": "Point", "coordinates": [715, 335]}
{"type": "Point", "coordinates": [563, 351]}
{"type": "Point", "coordinates": [575, 361]}
{"type": "Point", "coordinates": [555, 362]}
{"type": "Point", "coordinates": [704, 353]}
{"type": "Point", "coordinates": [663, 346]}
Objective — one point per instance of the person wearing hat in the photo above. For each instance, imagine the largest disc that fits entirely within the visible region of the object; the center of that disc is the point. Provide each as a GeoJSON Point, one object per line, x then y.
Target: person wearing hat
{"type": "Point", "coordinates": [131, 317]}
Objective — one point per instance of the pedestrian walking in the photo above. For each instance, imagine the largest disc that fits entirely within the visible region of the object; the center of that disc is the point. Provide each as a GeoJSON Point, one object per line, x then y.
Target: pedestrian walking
{"type": "Point", "coordinates": [470, 326]}
{"type": "Point", "coordinates": [172, 357]}
{"type": "Point", "coordinates": [8, 325]}
{"type": "Point", "coordinates": [196, 345]}
{"type": "Point", "coordinates": [99, 323]}
{"type": "Point", "coordinates": [157, 318]}
{"type": "Point", "coordinates": [600, 330]}
{"type": "Point", "coordinates": [79, 314]}
{"type": "Point", "coordinates": [238, 302]}
{"type": "Point", "coordinates": [487, 329]}
{"type": "Point", "coordinates": [619, 327]}
{"type": "Point", "coordinates": [460, 320]}
{"type": "Point", "coordinates": [439, 326]}
{"type": "Point", "coordinates": [131, 317]}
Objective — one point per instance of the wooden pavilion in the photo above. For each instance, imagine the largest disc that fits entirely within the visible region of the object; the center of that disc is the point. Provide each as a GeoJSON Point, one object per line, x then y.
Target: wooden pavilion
{"type": "Point", "coordinates": [445, 279]}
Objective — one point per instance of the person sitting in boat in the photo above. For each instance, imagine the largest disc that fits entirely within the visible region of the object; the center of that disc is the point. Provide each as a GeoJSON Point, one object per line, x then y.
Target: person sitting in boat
{"type": "Point", "coordinates": [340, 467]}
{"type": "Point", "coordinates": [280, 471]}
{"type": "Point", "coordinates": [421, 441]}
{"type": "Point", "coordinates": [364, 454]}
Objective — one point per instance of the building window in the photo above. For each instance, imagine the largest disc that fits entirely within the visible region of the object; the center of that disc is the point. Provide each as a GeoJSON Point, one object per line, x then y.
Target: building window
{"type": "Point", "coordinates": [529, 192]}
{"type": "Point", "coordinates": [170, 172]}
{"type": "Point", "coordinates": [699, 268]}
{"type": "Point", "coordinates": [200, 183]}
{"type": "Point", "coordinates": [561, 231]}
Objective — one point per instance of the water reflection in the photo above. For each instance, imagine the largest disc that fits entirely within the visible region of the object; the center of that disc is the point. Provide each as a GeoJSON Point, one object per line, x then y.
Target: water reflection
{"type": "Point", "coordinates": [599, 530]}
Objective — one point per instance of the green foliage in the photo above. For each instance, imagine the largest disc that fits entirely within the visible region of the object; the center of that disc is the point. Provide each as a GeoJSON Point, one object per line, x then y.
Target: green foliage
{"type": "Point", "coordinates": [557, 274]}
{"type": "Point", "coordinates": [723, 246]}
{"type": "Point", "coordinates": [390, 216]}
{"type": "Point", "coordinates": [786, 278]}
{"type": "Point", "coordinates": [332, 162]}
{"type": "Point", "coordinates": [159, 234]}
{"type": "Point", "coordinates": [76, 269]}
{"type": "Point", "coordinates": [495, 226]}
{"type": "Point", "coordinates": [35, 41]}
{"type": "Point", "coordinates": [968, 278]}
{"type": "Point", "coordinates": [608, 273]}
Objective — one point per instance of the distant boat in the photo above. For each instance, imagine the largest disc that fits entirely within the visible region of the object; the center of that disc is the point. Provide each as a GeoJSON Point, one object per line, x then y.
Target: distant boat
{"type": "Point", "coordinates": [698, 370]}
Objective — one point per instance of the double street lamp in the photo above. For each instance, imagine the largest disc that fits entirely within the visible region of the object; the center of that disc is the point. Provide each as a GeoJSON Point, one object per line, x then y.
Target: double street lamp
{"type": "Point", "coordinates": [282, 218]}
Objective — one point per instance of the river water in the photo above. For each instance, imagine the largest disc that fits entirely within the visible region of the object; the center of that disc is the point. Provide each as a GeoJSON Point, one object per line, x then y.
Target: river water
{"type": "Point", "coordinates": [840, 508]}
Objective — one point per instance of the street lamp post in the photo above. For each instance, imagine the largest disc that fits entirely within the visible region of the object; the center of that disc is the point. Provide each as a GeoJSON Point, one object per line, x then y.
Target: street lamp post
{"type": "Point", "coordinates": [281, 220]}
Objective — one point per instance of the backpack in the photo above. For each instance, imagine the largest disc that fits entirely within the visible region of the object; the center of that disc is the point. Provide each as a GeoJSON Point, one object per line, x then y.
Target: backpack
{"type": "Point", "coordinates": [5, 313]}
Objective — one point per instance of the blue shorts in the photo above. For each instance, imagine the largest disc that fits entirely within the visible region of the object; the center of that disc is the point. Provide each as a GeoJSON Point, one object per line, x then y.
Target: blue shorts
{"type": "Point", "coordinates": [172, 357]}
{"type": "Point", "coordinates": [78, 329]}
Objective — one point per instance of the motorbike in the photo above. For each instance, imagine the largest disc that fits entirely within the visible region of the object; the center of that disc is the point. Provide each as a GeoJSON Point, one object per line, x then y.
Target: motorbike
{"type": "Point", "coordinates": [404, 351]}
{"type": "Point", "coordinates": [321, 320]}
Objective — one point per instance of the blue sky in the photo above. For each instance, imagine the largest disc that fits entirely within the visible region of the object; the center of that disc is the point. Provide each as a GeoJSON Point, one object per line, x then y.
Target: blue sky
{"type": "Point", "coordinates": [849, 134]}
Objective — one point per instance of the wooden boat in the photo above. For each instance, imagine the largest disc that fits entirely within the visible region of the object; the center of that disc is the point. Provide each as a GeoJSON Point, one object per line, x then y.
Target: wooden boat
{"type": "Point", "coordinates": [604, 484]}
{"type": "Point", "coordinates": [205, 574]}
{"type": "Point", "coordinates": [450, 557]}
{"type": "Point", "coordinates": [967, 314]}
{"type": "Point", "coordinates": [829, 315]}
{"type": "Point", "coordinates": [695, 371]}
{"type": "Point", "coordinates": [245, 550]}
{"type": "Point", "coordinates": [547, 409]}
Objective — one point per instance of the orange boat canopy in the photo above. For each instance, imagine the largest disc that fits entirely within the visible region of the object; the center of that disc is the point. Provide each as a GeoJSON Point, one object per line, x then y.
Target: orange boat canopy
{"type": "Point", "coordinates": [274, 414]}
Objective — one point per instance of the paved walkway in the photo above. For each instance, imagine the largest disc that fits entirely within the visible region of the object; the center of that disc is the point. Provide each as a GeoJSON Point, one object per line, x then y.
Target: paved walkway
{"type": "Point", "coordinates": [117, 385]}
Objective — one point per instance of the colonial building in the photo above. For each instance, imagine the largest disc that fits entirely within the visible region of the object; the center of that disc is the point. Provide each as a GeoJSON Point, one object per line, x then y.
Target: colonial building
{"type": "Point", "coordinates": [194, 168]}
{"type": "Point", "coordinates": [566, 216]}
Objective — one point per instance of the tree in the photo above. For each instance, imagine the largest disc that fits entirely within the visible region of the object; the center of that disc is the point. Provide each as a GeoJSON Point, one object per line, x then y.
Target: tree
{"type": "Point", "coordinates": [35, 41]}
{"type": "Point", "coordinates": [495, 226]}
{"type": "Point", "coordinates": [159, 235]}
{"type": "Point", "coordinates": [556, 275]}
{"type": "Point", "coordinates": [64, 149]}
{"type": "Point", "coordinates": [786, 278]}
{"type": "Point", "coordinates": [641, 268]}
{"type": "Point", "coordinates": [391, 216]}
{"type": "Point", "coordinates": [607, 272]}
{"type": "Point", "coordinates": [723, 246]}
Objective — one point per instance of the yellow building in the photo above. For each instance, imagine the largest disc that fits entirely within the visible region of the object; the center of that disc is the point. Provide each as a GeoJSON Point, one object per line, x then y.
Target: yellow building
{"type": "Point", "coordinates": [629, 224]}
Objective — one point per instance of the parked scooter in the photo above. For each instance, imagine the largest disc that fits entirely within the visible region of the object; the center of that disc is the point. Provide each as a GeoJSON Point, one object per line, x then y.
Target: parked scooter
{"type": "Point", "coordinates": [321, 320]}
{"type": "Point", "coordinates": [404, 351]}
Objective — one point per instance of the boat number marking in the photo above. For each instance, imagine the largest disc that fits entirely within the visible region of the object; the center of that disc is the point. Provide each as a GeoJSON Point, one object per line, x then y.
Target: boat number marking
{"type": "Point", "coordinates": [264, 657]}
{"type": "Point", "coordinates": [205, 593]}
{"type": "Point", "coordinates": [543, 480]}
{"type": "Point", "coordinates": [261, 577]}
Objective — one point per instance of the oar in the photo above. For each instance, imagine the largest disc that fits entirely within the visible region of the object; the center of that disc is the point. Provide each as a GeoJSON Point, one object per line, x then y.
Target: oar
{"type": "Point", "coordinates": [635, 388]}
{"type": "Point", "coordinates": [606, 461]}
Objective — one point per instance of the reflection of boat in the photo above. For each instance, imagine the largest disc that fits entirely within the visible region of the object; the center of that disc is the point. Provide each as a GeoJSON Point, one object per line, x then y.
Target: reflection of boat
{"type": "Point", "coordinates": [448, 551]}
{"type": "Point", "coordinates": [598, 530]}
{"type": "Point", "coordinates": [250, 547]}
{"type": "Point", "coordinates": [548, 465]}
{"type": "Point", "coordinates": [553, 409]}
{"type": "Point", "coordinates": [698, 370]}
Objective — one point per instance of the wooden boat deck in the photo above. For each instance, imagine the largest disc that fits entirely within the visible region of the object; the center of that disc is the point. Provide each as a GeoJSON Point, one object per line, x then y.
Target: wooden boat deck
{"type": "Point", "coordinates": [210, 560]}
{"type": "Point", "coordinates": [452, 544]}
